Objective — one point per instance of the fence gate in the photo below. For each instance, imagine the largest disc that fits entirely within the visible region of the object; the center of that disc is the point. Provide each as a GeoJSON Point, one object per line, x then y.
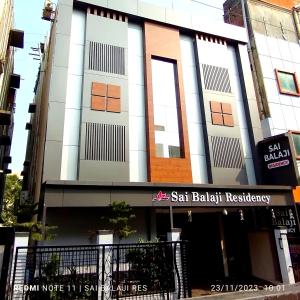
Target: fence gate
{"type": "Point", "coordinates": [122, 271]}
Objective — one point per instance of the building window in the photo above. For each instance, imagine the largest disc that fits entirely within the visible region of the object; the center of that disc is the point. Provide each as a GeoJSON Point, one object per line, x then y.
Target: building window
{"type": "Point", "coordinates": [296, 141]}
{"type": "Point", "coordinates": [106, 97]}
{"type": "Point", "coordinates": [165, 108]}
{"type": "Point", "coordinates": [287, 83]}
{"type": "Point", "coordinates": [221, 114]}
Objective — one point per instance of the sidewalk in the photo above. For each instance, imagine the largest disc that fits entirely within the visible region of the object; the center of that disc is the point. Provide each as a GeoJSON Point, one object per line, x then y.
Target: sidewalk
{"type": "Point", "coordinates": [287, 292]}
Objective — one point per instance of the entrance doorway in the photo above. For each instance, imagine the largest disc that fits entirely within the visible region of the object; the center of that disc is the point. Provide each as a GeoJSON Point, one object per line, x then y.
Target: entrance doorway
{"type": "Point", "coordinates": [219, 247]}
{"type": "Point", "coordinates": [237, 247]}
{"type": "Point", "coordinates": [203, 233]}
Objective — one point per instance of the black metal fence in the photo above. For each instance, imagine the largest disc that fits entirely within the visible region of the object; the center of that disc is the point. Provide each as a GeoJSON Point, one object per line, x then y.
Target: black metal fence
{"type": "Point", "coordinates": [127, 271]}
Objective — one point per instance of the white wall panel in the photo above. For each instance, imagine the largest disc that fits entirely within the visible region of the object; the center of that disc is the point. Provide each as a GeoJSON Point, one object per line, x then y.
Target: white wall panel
{"type": "Point", "coordinates": [297, 114]}
{"type": "Point", "coordinates": [78, 23]}
{"type": "Point", "coordinates": [277, 63]}
{"type": "Point", "coordinates": [277, 116]}
{"type": "Point", "coordinates": [286, 100]}
{"type": "Point", "coordinates": [295, 102]}
{"type": "Point", "coordinates": [164, 3]}
{"type": "Point", "coordinates": [271, 90]}
{"type": "Point", "coordinates": [76, 58]}
{"type": "Point", "coordinates": [73, 98]}
{"type": "Point", "coordinates": [138, 166]}
{"type": "Point", "coordinates": [190, 80]}
{"type": "Point", "coordinates": [274, 47]}
{"type": "Point", "coordinates": [289, 117]}
{"type": "Point", "coordinates": [55, 116]}
{"type": "Point", "coordinates": [187, 47]}
{"type": "Point", "coordinates": [135, 70]}
{"type": "Point", "coordinates": [236, 87]}
{"type": "Point", "coordinates": [136, 91]}
{"type": "Point", "coordinates": [74, 90]}
{"type": "Point", "coordinates": [289, 66]}
{"type": "Point", "coordinates": [212, 54]}
{"type": "Point", "coordinates": [196, 139]}
{"type": "Point", "coordinates": [199, 169]}
{"type": "Point", "coordinates": [193, 111]}
{"type": "Point", "coordinates": [294, 49]}
{"type": "Point", "coordinates": [72, 119]}
{"type": "Point", "coordinates": [69, 162]}
{"type": "Point", "coordinates": [233, 71]}
{"type": "Point", "coordinates": [240, 113]}
{"type": "Point", "coordinates": [284, 49]}
{"type": "Point", "coordinates": [261, 44]}
{"type": "Point", "coordinates": [137, 136]}
{"type": "Point", "coordinates": [246, 143]}
{"type": "Point", "coordinates": [276, 131]}
{"type": "Point", "coordinates": [250, 171]}
{"type": "Point", "coordinates": [203, 9]}
{"type": "Point", "coordinates": [284, 56]}
{"type": "Point", "coordinates": [267, 68]}
{"type": "Point", "coordinates": [297, 68]}
{"type": "Point", "coordinates": [137, 99]}
{"type": "Point", "coordinates": [135, 36]}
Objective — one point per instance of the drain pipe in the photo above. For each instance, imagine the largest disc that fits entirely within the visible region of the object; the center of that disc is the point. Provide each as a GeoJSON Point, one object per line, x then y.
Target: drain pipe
{"type": "Point", "coordinates": [260, 92]}
{"type": "Point", "coordinates": [245, 17]}
{"type": "Point", "coordinates": [296, 10]}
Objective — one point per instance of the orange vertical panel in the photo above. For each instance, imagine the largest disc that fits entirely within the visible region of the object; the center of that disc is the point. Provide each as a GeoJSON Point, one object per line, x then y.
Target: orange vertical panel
{"type": "Point", "coordinates": [164, 42]}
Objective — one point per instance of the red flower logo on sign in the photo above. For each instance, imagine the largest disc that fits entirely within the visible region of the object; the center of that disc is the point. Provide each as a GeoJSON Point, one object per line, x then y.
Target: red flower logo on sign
{"type": "Point", "coordinates": [161, 196]}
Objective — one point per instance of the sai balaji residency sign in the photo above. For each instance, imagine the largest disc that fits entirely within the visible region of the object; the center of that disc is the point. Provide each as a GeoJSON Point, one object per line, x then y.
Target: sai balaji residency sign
{"type": "Point", "coordinates": [213, 198]}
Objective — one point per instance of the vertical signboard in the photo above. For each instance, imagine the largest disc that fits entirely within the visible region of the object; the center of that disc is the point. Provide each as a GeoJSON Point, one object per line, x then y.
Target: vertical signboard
{"type": "Point", "coordinates": [276, 160]}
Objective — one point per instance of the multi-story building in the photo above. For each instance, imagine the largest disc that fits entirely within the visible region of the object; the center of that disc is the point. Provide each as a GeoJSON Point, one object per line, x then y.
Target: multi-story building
{"type": "Point", "coordinates": [153, 106]}
{"type": "Point", "coordinates": [9, 82]}
{"type": "Point", "coordinates": [10, 38]}
{"type": "Point", "coordinates": [274, 51]}
{"type": "Point", "coordinates": [274, 33]}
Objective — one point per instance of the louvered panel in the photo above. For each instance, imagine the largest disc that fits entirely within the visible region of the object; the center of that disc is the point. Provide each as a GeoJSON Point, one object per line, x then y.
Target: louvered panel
{"type": "Point", "coordinates": [104, 142]}
{"type": "Point", "coordinates": [216, 78]}
{"type": "Point", "coordinates": [106, 58]}
{"type": "Point", "coordinates": [226, 152]}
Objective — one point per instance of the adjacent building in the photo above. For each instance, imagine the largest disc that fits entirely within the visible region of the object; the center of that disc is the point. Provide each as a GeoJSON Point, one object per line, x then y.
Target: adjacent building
{"type": "Point", "coordinates": [154, 106]}
{"type": "Point", "coordinates": [274, 50]}
{"type": "Point", "coordinates": [10, 38]}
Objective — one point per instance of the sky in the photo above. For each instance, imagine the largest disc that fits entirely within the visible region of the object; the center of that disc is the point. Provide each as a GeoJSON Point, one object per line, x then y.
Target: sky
{"type": "Point", "coordinates": [28, 18]}
{"type": "Point", "coordinates": [27, 15]}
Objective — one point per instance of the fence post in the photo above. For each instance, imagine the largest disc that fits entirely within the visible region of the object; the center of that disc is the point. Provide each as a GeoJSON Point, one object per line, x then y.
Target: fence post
{"type": "Point", "coordinates": [174, 236]}
{"type": "Point", "coordinates": [105, 241]}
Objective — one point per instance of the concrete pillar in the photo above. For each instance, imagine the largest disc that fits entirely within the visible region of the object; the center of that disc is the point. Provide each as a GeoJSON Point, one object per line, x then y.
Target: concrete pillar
{"type": "Point", "coordinates": [284, 256]}
{"type": "Point", "coordinates": [7, 235]}
{"type": "Point", "coordinates": [105, 237]}
{"type": "Point", "coordinates": [105, 240]}
{"type": "Point", "coordinates": [21, 240]}
{"type": "Point", "coordinates": [174, 236]}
